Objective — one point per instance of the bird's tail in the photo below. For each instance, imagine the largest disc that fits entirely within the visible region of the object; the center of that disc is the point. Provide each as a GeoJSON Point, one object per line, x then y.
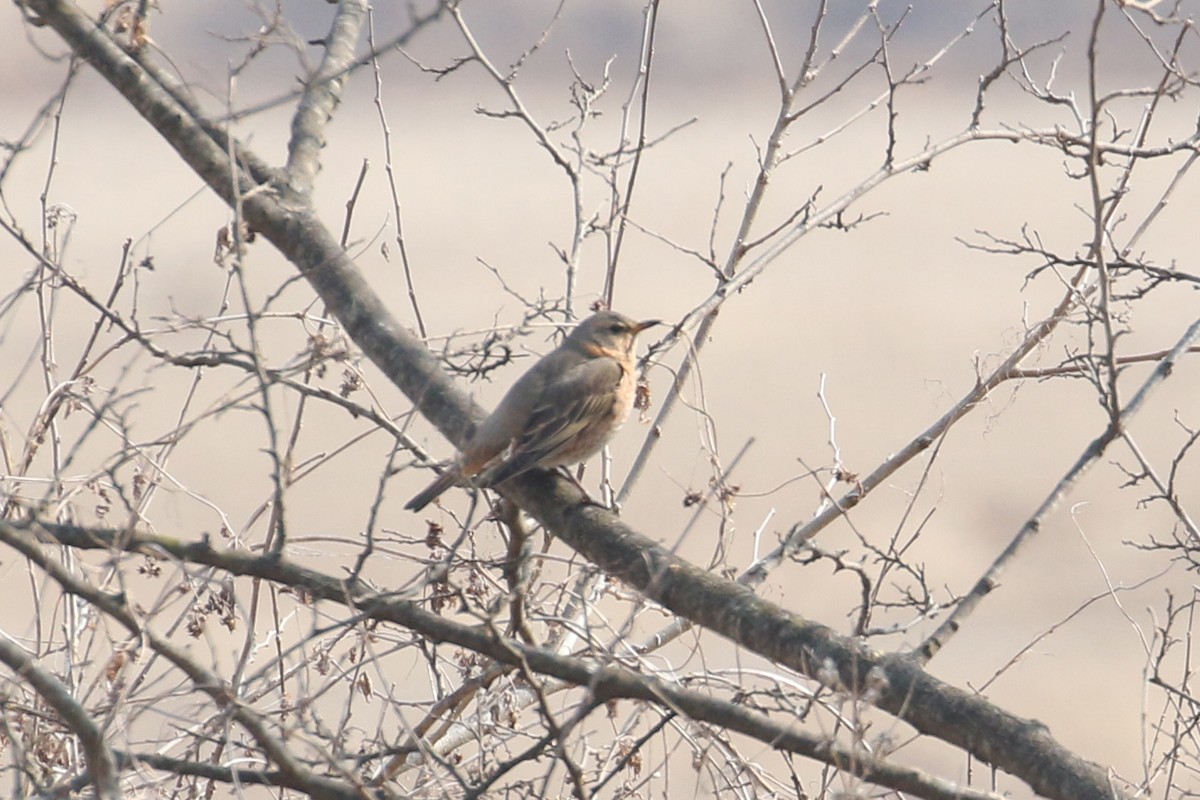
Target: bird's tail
{"type": "Point", "coordinates": [431, 492]}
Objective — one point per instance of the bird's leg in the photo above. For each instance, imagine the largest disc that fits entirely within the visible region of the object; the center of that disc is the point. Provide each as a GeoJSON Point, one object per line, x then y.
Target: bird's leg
{"type": "Point", "coordinates": [588, 500]}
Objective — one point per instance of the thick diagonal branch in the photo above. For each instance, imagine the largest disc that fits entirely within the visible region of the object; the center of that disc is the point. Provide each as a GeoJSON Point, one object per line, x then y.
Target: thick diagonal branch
{"type": "Point", "coordinates": [896, 684]}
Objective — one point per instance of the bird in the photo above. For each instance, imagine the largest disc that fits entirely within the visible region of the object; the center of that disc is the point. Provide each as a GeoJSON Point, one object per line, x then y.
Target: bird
{"type": "Point", "coordinates": [563, 410]}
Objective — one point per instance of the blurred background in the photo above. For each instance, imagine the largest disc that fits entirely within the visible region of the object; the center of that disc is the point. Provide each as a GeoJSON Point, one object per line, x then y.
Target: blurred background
{"type": "Point", "coordinates": [895, 316]}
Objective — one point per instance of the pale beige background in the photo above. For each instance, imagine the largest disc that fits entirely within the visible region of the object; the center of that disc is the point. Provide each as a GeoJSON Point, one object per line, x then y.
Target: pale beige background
{"type": "Point", "coordinates": [895, 315]}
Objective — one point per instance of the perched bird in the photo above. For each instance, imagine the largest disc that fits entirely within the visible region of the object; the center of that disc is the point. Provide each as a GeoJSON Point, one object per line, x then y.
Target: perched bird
{"type": "Point", "coordinates": [563, 410]}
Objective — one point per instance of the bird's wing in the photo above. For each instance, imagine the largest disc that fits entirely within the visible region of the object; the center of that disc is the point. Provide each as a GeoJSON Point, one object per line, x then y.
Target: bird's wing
{"type": "Point", "coordinates": [579, 403]}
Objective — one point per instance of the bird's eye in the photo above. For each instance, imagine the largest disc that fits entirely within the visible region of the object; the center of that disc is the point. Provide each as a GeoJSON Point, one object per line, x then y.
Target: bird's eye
{"type": "Point", "coordinates": [616, 327]}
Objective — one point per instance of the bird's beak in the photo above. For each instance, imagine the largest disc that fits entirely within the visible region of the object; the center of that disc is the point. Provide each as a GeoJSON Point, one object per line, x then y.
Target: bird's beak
{"type": "Point", "coordinates": [649, 323]}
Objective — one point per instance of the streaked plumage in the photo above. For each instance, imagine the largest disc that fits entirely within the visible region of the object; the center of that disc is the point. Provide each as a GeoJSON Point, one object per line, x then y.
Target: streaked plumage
{"type": "Point", "coordinates": [562, 411]}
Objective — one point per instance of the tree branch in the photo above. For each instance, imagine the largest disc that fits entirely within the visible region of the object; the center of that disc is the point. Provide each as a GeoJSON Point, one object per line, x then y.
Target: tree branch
{"type": "Point", "coordinates": [606, 682]}
{"type": "Point", "coordinates": [894, 683]}
{"type": "Point", "coordinates": [100, 760]}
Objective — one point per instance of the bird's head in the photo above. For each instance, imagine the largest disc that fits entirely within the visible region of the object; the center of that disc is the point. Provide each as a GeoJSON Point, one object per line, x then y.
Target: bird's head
{"type": "Point", "coordinates": [608, 333]}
